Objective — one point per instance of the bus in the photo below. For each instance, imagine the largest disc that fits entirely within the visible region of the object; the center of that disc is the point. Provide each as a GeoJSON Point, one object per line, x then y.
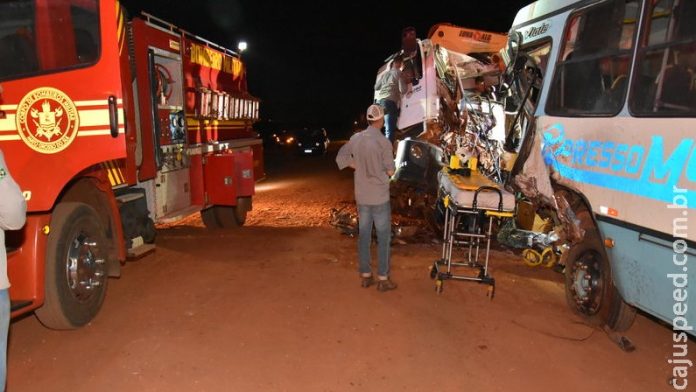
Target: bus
{"type": "Point", "coordinates": [604, 95]}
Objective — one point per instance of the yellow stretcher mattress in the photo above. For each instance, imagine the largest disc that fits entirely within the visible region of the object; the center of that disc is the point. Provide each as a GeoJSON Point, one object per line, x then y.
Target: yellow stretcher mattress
{"type": "Point", "coordinates": [462, 189]}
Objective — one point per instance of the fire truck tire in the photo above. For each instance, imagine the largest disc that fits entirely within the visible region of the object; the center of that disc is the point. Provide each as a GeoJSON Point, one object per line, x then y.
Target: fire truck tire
{"type": "Point", "coordinates": [589, 287]}
{"type": "Point", "coordinates": [76, 268]}
{"type": "Point", "coordinates": [209, 219]}
{"type": "Point", "coordinates": [229, 217]}
{"type": "Point", "coordinates": [241, 209]}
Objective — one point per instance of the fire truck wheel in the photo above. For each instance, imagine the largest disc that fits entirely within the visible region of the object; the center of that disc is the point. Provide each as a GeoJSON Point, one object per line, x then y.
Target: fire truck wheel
{"type": "Point", "coordinates": [235, 216]}
{"type": "Point", "coordinates": [229, 217]}
{"type": "Point", "coordinates": [76, 279]}
{"type": "Point", "coordinates": [240, 211]}
{"type": "Point", "coordinates": [209, 219]}
{"type": "Point", "coordinates": [590, 291]}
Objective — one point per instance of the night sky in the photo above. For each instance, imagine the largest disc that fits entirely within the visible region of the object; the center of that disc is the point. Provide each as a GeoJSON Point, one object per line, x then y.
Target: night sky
{"type": "Point", "coordinates": [314, 63]}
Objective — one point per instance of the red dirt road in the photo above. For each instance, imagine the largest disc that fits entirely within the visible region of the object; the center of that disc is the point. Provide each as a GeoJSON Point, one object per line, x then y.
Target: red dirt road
{"type": "Point", "coordinates": [277, 306]}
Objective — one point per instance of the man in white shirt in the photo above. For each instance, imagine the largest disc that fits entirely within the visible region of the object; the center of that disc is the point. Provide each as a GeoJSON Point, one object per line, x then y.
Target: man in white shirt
{"type": "Point", "coordinates": [13, 209]}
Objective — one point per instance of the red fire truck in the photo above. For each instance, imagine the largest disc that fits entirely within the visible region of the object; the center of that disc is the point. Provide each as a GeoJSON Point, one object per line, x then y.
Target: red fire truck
{"type": "Point", "coordinates": [111, 126]}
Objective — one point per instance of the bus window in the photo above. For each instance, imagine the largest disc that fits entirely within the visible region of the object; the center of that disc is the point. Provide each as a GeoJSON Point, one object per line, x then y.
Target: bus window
{"type": "Point", "coordinates": [664, 81]}
{"type": "Point", "coordinates": [591, 76]}
{"type": "Point", "coordinates": [38, 37]}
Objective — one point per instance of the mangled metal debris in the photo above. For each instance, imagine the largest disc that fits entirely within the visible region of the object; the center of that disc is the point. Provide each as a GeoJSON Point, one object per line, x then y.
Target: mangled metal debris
{"type": "Point", "coordinates": [404, 229]}
{"type": "Point", "coordinates": [343, 220]}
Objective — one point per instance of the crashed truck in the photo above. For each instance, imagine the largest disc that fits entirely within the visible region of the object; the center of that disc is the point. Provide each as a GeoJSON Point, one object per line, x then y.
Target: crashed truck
{"type": "Point", "coordinates": [581, 124]}
{"type": "Point", "coordinates": [443, 116]}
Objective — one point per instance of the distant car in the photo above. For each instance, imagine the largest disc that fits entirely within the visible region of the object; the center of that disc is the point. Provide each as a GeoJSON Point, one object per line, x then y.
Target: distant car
{"type": "Point", "coordinates": [312, 141]}
{"type": "Point", "coordinates": [284, 138]}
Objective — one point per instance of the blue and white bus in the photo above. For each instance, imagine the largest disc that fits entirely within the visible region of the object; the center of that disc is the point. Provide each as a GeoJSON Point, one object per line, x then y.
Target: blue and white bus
{"type": "Point", "coordinates": [605, 135]}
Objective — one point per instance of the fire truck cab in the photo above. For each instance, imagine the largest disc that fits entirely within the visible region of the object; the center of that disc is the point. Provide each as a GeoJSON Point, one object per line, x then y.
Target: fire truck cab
{"type": "Point", "coordinates": [111, 126]}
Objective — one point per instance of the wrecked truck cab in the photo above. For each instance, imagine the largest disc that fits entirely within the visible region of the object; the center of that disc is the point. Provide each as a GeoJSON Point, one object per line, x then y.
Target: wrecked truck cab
{"type": "Point", "coordinates": [443, 114]}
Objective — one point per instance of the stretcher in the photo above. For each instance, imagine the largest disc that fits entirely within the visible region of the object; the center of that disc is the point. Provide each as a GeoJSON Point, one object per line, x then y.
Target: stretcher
{"type": "Point", "coordinates": [471, 204]}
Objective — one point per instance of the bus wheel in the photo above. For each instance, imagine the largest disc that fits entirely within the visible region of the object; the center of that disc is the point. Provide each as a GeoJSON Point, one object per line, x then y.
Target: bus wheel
{"type": "Point", "coordinates": [590, 292]}
{"type": "Point", "coordinates": [75, 282]}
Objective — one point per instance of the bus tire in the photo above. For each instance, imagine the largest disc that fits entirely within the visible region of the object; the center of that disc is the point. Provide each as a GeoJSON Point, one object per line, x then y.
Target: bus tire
{"type": "Point", "coordinates": [76, 268]}
{"type": "Point", "coordinates": [623, 315]}
{"type": "Point", "coordinates": [589, 287]}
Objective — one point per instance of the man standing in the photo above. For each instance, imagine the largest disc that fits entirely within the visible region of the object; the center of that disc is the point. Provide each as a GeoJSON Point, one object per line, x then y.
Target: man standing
{"type": "Point", "coordinates": [388, 91]}
{"type": "Point", "coordinates": [13, 211]}
{"type": "Point", "coordinates": [371, 155]}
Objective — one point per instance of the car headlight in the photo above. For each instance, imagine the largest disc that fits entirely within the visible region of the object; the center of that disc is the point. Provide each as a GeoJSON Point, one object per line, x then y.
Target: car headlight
{"type": "Point", "coordinates": [299, 144]}
{"type": "Point", "coordinates": [316, 144]}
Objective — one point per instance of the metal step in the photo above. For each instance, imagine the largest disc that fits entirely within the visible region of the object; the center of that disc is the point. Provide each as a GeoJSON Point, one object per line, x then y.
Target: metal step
{"type": "Point", "coordinates": [179, 215]}
{"type": "Point", "coordinates": [128, 197]}
{"type": "Point", "coordinates": [140, 251]}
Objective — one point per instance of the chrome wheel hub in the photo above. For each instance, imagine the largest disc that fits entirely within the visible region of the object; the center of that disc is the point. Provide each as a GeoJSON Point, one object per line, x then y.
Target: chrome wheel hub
{"type": "Point", "coordinates": [84, 268]}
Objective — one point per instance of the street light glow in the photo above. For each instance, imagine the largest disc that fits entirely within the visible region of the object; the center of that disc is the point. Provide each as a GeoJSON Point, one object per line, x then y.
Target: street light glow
{"type": "Point", "coordinates": [242, 45]}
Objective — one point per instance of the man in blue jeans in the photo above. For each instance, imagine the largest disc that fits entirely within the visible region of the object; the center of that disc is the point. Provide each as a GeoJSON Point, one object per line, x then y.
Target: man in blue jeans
{"type": "Point", "coordinates": [371, 155]}
{"type": "Point", "coordinates": [388, 91]}
{"type": "Point", "coordinates": [13, 210]}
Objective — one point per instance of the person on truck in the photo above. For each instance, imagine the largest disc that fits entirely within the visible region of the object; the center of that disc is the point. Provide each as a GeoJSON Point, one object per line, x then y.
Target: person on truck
{"type": "Point", "coordinates": [13, 209]}
{"type": "Point", "coordinates": [371, 155]}
{"type": "Point", "coordinates": [388, 91]}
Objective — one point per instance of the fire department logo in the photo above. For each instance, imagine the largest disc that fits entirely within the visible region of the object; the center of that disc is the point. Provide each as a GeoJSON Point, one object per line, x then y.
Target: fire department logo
{"type": "Point", "coordinates": [47, 120]}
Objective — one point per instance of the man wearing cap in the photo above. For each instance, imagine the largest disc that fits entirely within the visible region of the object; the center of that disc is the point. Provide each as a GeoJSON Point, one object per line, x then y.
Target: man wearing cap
{"type": "Point", "coordinates": [13, 210]}
{"type": "Point", "coordinates": [371, 155]}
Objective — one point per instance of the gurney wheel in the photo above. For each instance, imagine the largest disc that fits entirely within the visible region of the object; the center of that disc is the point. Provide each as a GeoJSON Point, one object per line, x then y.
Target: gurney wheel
{"type": "Point", "coordinates": [438, 286]}
{"type": "Point", "coordinates": [433, 271]}
{"type": "Point", "coordinates": [491, 292]}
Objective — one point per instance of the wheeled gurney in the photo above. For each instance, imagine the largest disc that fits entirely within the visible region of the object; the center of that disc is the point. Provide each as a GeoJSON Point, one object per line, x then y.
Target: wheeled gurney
{"type": "Point", "coordinates": [471, 204]}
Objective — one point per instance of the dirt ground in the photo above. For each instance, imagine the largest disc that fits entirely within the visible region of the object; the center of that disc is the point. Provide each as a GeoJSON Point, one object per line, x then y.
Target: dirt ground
{"type": "Point", "coordinates": [277, 306]}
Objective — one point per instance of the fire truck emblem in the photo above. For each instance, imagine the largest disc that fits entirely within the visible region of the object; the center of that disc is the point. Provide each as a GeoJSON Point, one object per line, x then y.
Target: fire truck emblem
{"type": "Point", "coordinates": [47, 120]}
